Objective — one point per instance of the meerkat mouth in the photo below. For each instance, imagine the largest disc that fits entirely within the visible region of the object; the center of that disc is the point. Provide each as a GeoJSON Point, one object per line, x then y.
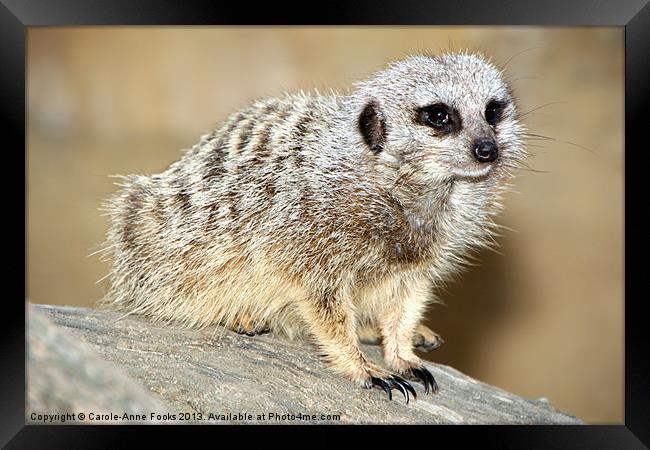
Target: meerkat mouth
{"type": "Point", "coordinates": [472, 171]}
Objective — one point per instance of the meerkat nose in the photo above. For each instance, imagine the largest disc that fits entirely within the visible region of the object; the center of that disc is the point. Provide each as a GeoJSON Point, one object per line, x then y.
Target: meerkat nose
{"type": "Point", "coordinates": [486, 151]}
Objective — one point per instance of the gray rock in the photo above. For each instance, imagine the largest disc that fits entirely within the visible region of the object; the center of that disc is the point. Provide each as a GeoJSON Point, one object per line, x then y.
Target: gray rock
{"type": "Point", "coordinates": [83, 360]}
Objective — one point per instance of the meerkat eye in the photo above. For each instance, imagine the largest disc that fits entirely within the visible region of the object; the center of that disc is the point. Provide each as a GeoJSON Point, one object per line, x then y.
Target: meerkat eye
{"type": "Point", "coordinates": [435, 115]}
{"type": "Point", "coordinates": [494, 111]}
{"type": "Point", "coordinates": [442, 118]}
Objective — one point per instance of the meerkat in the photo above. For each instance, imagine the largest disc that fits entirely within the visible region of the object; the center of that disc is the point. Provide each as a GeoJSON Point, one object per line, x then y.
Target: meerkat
{"type": "Point", "coordinates": [327, 216]}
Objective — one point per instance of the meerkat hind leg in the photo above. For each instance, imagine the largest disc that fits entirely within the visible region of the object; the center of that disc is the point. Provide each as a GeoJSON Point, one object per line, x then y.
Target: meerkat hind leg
{"type": "Point", "coordinates": [244, 325]}
{"type": "Point", "coordinates": [369, 334]}
{"type": "Point", "coordinates": [332, 326]}
{"type": "Point", "coordinates": [426, 339]}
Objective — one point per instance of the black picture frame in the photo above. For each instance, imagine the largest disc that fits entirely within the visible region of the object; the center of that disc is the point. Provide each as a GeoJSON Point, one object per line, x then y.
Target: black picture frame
{"type": "Point", "coordinates": [634, 15]}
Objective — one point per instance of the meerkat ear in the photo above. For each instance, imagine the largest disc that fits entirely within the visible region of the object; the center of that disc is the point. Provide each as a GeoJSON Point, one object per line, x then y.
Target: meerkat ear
{"type": "Point", "coordinates": [372, 127]}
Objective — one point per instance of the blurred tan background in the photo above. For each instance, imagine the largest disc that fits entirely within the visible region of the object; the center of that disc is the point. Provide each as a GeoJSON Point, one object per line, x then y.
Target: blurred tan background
{"type": "Point", "coordinates": [542, 318]}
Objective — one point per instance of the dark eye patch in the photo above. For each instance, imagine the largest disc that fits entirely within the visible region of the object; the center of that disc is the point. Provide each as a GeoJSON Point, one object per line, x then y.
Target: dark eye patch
{"type": "Point", "coordinates": [494, 111]}
{"type": "Point", "coordinates": [442, 118]}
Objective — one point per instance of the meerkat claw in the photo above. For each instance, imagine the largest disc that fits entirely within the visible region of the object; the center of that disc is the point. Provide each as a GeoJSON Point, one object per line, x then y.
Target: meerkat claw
{"type": "Point", "coordinates": [382, 384]}
{"type": "Point", "coordinates": [241, 331]}
{"type": "Point", "coordinates": [423, 374]}
{"type": "Point", "coordinates": [395, 382]}
{"type": "Point", "coordinates": [403, 386]}
{"type": "Point", "coordinates": [397, 385]}
{"type": "Point", "coordinates": [251, 331]}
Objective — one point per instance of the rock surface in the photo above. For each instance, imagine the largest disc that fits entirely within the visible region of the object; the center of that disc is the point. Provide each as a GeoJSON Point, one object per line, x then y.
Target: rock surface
{"type": "Point", "coordinates": [85, 360]}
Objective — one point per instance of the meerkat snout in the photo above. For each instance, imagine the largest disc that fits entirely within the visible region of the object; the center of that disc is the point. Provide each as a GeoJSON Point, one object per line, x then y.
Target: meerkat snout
{"type": "Point", "coordinates": [486, 151]}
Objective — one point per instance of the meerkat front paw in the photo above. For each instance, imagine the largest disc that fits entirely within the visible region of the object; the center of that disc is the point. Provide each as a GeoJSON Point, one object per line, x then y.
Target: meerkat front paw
{"type": "Point", "coordinates": [422, 374]}
{"type": "Point", "coordinates": [413, 368]}
{"type": "Point", "coordinates": [426, 340]}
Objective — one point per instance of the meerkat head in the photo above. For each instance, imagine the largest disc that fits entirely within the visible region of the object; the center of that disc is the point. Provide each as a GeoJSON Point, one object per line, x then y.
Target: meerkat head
{"type": "Point", "coordinates": [443, 117]}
